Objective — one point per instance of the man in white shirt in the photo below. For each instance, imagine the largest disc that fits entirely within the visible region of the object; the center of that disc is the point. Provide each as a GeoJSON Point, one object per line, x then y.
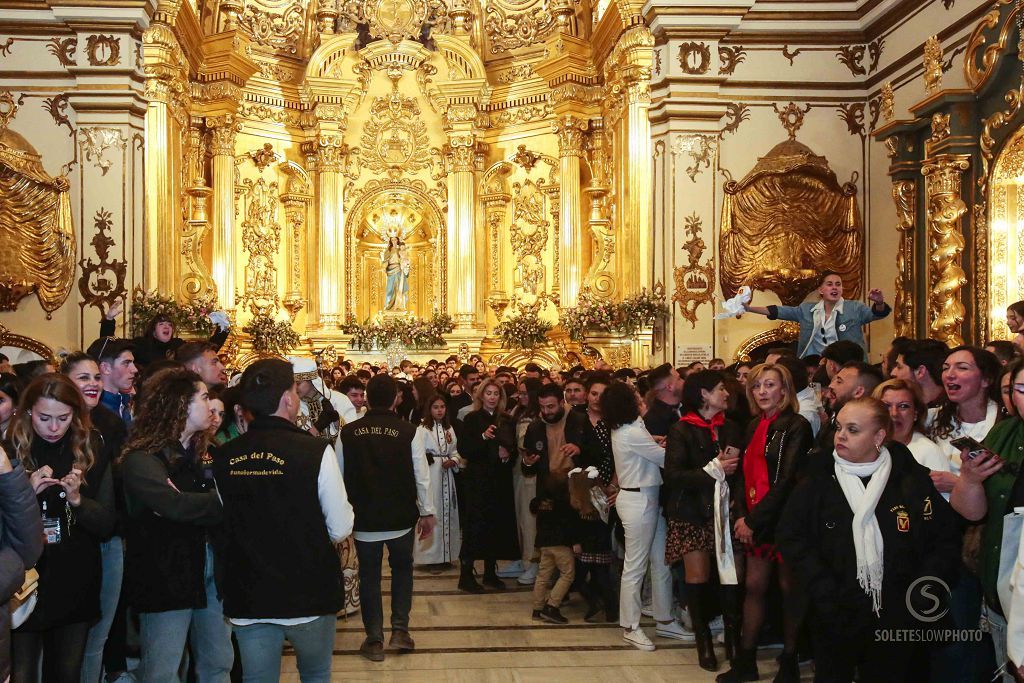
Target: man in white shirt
{"type": "Point", "coordinates": [387, 472]}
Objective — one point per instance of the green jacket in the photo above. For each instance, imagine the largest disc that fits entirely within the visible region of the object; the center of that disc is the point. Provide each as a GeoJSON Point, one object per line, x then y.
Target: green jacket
{"type": "Point", "coordinates": [1005, 439]}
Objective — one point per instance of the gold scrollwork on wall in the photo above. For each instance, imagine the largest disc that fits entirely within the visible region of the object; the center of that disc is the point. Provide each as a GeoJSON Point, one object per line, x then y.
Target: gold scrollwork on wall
{"type": "Point", "coordinates": [276, 31]}
{"type": "Point", "coordinates": [102, 282]}
{"type": "Point", "coordinates": [945, 207]}
{"type": "Point", "coordinates": [787, 220]}
{"type": "Point", "coordinates": [395, 137]}
{"type": "Point", "coordinates": [695, 283]}
{"type": "Point", "coordinates": [528, 235]}
{"type": "Point", "coordinates": [904, 194]}
{"type": "Point", "coordinates": [510, 28]}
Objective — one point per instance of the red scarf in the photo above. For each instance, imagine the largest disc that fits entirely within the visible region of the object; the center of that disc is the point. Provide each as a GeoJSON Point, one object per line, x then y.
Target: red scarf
{"type": "Point", "coordinates": [697, 421]}
{"type": "Point", "coordinates": [755, 465]}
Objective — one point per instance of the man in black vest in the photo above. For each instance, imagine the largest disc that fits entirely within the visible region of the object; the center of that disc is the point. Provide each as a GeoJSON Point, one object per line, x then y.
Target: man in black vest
{"type": "Point", "coordinates": [285, 506]}
{"type": "Point", "coordinates": [387, 474]}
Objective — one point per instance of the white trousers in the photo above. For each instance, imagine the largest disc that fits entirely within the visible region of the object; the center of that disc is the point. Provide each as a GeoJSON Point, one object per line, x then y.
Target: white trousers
{"type": "Point", "coordinates": [525, 489]}
{"type": "Point", "coordinates": [645, 528]}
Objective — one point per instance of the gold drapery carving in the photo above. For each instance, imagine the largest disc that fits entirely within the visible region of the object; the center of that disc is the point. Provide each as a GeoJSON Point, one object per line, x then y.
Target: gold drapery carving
{"type": "Point", "coordinates": [36, 225]}
{"type": "Point", "coordinates": [945, 208]}
{"type": "Point", "coordinates": [904, 194]}
{"type": "Point", "coordinates": [788, 219]}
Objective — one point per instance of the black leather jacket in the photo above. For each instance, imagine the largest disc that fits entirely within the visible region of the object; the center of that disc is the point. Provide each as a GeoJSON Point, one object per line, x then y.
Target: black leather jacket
{"type": "Point", "coordinates": [689, 491]}
{"type": "Point", "coordinates": [789, 439]}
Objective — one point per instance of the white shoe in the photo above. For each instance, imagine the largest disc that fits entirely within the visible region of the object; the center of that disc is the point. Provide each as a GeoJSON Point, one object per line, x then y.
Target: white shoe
{"type": "Point", "coordinates": [716, 625]}
{"type": "Point", "coordinates": [647, 610]}
{"type": "Point", "coordinates": [682, 615]}
{"type": "Point", "coordinates": [510, 570]}
{"type": "Point", "coordinates": [529, 577]}
{"type": "Point", "coordinates": [638, 639]}
{"type": "Point", "coordinates": [675, 631]}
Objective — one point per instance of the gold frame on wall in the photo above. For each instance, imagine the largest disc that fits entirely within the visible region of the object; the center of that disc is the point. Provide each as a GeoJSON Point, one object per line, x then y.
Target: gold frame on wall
{"type": "Point", "coordinates": [786, 332]}
{"type": "Point", "coordinates": [8, 338]}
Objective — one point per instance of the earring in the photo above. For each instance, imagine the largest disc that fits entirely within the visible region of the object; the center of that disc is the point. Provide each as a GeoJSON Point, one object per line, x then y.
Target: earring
{"type": "Point", "coordinates": [878, 447]}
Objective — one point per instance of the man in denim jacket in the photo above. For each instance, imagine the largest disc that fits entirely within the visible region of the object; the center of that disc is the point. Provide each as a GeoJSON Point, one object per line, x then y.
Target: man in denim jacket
{"type": "Point", "coordinates": [830, 319]}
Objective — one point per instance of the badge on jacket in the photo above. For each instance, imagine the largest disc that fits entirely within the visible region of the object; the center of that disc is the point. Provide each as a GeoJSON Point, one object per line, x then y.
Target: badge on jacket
{"type": "Point", "coordinates": [903, 521]}
{"type": "Point", "coordinates": [842, 328]}
{"type": "Point", "coordinates": [927, 514]}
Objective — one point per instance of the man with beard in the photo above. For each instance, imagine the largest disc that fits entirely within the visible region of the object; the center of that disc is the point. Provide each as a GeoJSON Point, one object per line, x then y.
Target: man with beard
{"type": "Point", "coordinates": [460, 405]}
{"type": "Point", "coordinates": [575, 394]}
{"type": "Point", "coordinates": [202, 359]}
{"type": "Point", "coordinates": [921, 362]}
{"type": "Point", "coordinates": [663, 400]}
{"type": "Point", "coordinates": [855, 379]}
{"type": "Point", "coordinates": [552, 443]}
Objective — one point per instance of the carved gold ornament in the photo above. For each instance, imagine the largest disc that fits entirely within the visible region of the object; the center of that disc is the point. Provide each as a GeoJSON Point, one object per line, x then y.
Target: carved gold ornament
{"type": "Point", "coordinates": [64, 50]}
{"type": "Point", "coordinates": [281, 32]}
{"type": "Point", "coordinates": [519, 26]}
{"type": "Point", "coordinates": [945, 207]}
{"type": "Point", "coordinates": [977, 74]}
{"type": "Point", "coordinates": [904, 194]}
{"type": "Point", "coordinates": [785, 333]}
{"type": "Point", "coordinates": [395, 139]}
{"type": "Point", "coordinates": [888, 101]}
{"type": "Point", "coordinates": [940, 128]}
{"type": "Point", "coordinates": [792, 117]}
{"type": "Point", "coordinates": [35, 225]}
{"type": "Point", "coordinates": [730, 57]}
{"type": "Point", "coordinates": [396, 20]}
{"type": "Point", "coordinates": [695, 283]}
{"type": "Point", "coordinates": [102, 283]}
{"type": "Point", "coordinates": [694, 58]}
{"type": "Point", "coordinates": [932, 65]}
{"type": "Point", "coordinates": [261, 237]}
{"type": "Point", "coordinates": [787, 220]}
{"type": "Point", "coordinates": [103, 50]}
{"type": "Point", "coordinates": [264, 156]}
{"type": "Point", "coordinates": [95, 142]}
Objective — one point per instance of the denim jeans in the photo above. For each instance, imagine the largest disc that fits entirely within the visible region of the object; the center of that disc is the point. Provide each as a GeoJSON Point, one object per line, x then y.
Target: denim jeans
{"type": "Point", "coordinates": [370, 554]}
{"type": "Point", "coordinates": [112, 556]}
{"type": "Point", "coordinates": [162, 638]}
{"type": "Point", "coordinates": [260, 647]}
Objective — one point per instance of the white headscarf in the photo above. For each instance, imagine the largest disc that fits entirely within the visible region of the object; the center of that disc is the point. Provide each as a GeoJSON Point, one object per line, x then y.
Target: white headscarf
{"type": "Point", "coordinates": [867, 537]}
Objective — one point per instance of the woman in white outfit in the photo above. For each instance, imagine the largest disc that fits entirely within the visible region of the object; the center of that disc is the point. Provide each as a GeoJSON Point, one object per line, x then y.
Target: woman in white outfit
{"type": "Point", "coordinates": [438, 438]}
{"type": "Point", "coordinates": [638, 463]}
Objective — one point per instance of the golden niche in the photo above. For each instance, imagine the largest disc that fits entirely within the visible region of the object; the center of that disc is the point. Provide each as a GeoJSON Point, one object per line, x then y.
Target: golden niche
{"type": "Point", "coordinates": [786, 221]}
{"type": "Point", "coordinates": [396, 254]}
{"type": "Point", "coordinates": [1006, 234]}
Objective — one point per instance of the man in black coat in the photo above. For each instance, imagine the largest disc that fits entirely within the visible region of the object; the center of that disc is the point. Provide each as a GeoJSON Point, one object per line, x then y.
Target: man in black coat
{"type": "Point", "coordinates": [388, 481]}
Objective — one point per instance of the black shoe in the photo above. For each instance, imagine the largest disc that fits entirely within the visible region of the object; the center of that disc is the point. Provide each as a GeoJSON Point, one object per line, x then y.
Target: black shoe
{"type": "Point", "coordinates": [536, 615]}
{"type": "Point", "coordinates": [493, 582]}
{"type": "Point", "coordinates": [593, 610]}
{"type": "Point", "coordinates": [468, 584]}
{"type": "Point", "coordinates": [552, 615]}
{"type": "Point", "coordinates": [789, 669]}
{"type": "Point", "coordinates": [374, 651]}
{"type": "Point", "coordinates": [695, 599]}
{"type": "Point", "coordinates": [744, 668]}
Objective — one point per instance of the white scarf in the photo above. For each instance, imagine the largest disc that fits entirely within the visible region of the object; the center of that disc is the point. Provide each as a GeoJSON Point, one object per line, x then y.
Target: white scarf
{"type": "Point", "coordinates": [723, 533]}
{"type": "Point", "coordinates": [867, 537]}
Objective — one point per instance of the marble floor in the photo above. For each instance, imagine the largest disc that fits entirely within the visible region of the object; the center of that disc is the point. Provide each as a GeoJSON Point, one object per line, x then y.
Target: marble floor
{"type": "Point", "coordinates": [491, 638]}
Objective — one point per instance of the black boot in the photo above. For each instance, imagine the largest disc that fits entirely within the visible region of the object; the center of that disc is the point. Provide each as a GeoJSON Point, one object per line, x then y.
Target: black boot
{"type": "Point", "coordinates": [731, 617]}
{"type": "Point", "coordinates": [491, 579]}
{"type": "Point", "coordinates": [467, 580]}
{"type": "Point", "coordinates": [789, 669]}
{"type": "Point", "coordinates": [744, 668]}
{"type": "Point", "coordinates": [695, 597]}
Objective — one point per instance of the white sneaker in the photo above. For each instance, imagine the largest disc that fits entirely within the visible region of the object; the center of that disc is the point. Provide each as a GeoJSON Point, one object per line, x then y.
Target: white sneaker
{"type": "Point", "coordinates": [716, 625]}
{"type": "Point", "coordinates": [529, 577]}
{"type": "Point", "coordinates": [675, 631]}
{"type": "Point", "coordinates": [682, 615]}
{"type": "Point", "coordinates": [510, 570]}
{"type": "Point", "coordinates": [638, 639]}
{"type": "Point", "coordinates": [647, 610]}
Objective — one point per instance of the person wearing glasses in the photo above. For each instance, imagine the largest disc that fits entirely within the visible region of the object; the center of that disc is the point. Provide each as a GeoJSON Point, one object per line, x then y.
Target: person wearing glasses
{"type": "Point", "coordinates": [830, 319]}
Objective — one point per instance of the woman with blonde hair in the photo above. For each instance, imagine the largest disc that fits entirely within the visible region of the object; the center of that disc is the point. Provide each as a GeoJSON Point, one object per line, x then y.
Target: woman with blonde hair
{"type": "Point", "coordinates": [908, 412]}
{"type": "Point", "coordinates": [487, 442]}
{"type": "Point", "coordinates": [172, 506]}
{"type": "Point", "coordinates": [778, 439]}
{"type": "Point", "coordinates": [53, 439]}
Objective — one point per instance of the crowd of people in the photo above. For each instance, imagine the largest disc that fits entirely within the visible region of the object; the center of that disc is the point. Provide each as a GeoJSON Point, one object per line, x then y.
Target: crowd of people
{"type": "Point", "coordinates": [857, 515]}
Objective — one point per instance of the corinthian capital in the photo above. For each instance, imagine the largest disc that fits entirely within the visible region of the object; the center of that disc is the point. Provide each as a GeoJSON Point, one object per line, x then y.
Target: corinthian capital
{"type": "Point", "coordinates": [328, 152]}
{"type": "Point", "coordinates": [461, 153]}
{"type": "Point", "coordinates": [570, 131]}
{"type": "Point", "coordinates": [222, 133]}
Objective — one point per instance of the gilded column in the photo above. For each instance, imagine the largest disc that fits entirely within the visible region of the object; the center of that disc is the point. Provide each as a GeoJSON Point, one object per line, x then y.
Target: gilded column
{"type": "Point", "coordinates": [945, 207]}
{"type": "Point", "coordinates": [329, 151]}
{"type": "Point", "coordinates": [495, 205]}
{"type": "Point", "coordinates": [462, 296]}
{"type": "Point", "coordinates": [295, 217]}
{"type": "Point", "coordinates": [904, 194]}
{"type": "Point", "coordinates": [222, 214]}
{"type": "Point", "coordinates": [570, 131]}
{"type": "Point", "coordinates": [638, 180]}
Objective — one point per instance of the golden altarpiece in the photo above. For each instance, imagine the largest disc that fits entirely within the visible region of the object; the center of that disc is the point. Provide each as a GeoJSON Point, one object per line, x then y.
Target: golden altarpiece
{"type": "Point", "coordinates": [351, 160]}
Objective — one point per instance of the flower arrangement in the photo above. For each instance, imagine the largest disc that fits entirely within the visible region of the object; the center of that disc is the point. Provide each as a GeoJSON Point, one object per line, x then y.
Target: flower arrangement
{"type": "Point", "coordinates": [186, 317]}
{"type": "Point", "coordinates": [625, 317]}
{"type": "Point", "coordinates": [413, 333]}
{"type": "Point", "coordinates": [271, 336]}
{"type": "Point", "coordinates": [523, 330]}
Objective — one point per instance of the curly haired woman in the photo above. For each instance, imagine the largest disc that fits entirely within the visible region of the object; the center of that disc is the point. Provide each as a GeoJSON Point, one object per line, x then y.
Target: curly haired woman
{"type": "Point", "coordinates": [172, 506]}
